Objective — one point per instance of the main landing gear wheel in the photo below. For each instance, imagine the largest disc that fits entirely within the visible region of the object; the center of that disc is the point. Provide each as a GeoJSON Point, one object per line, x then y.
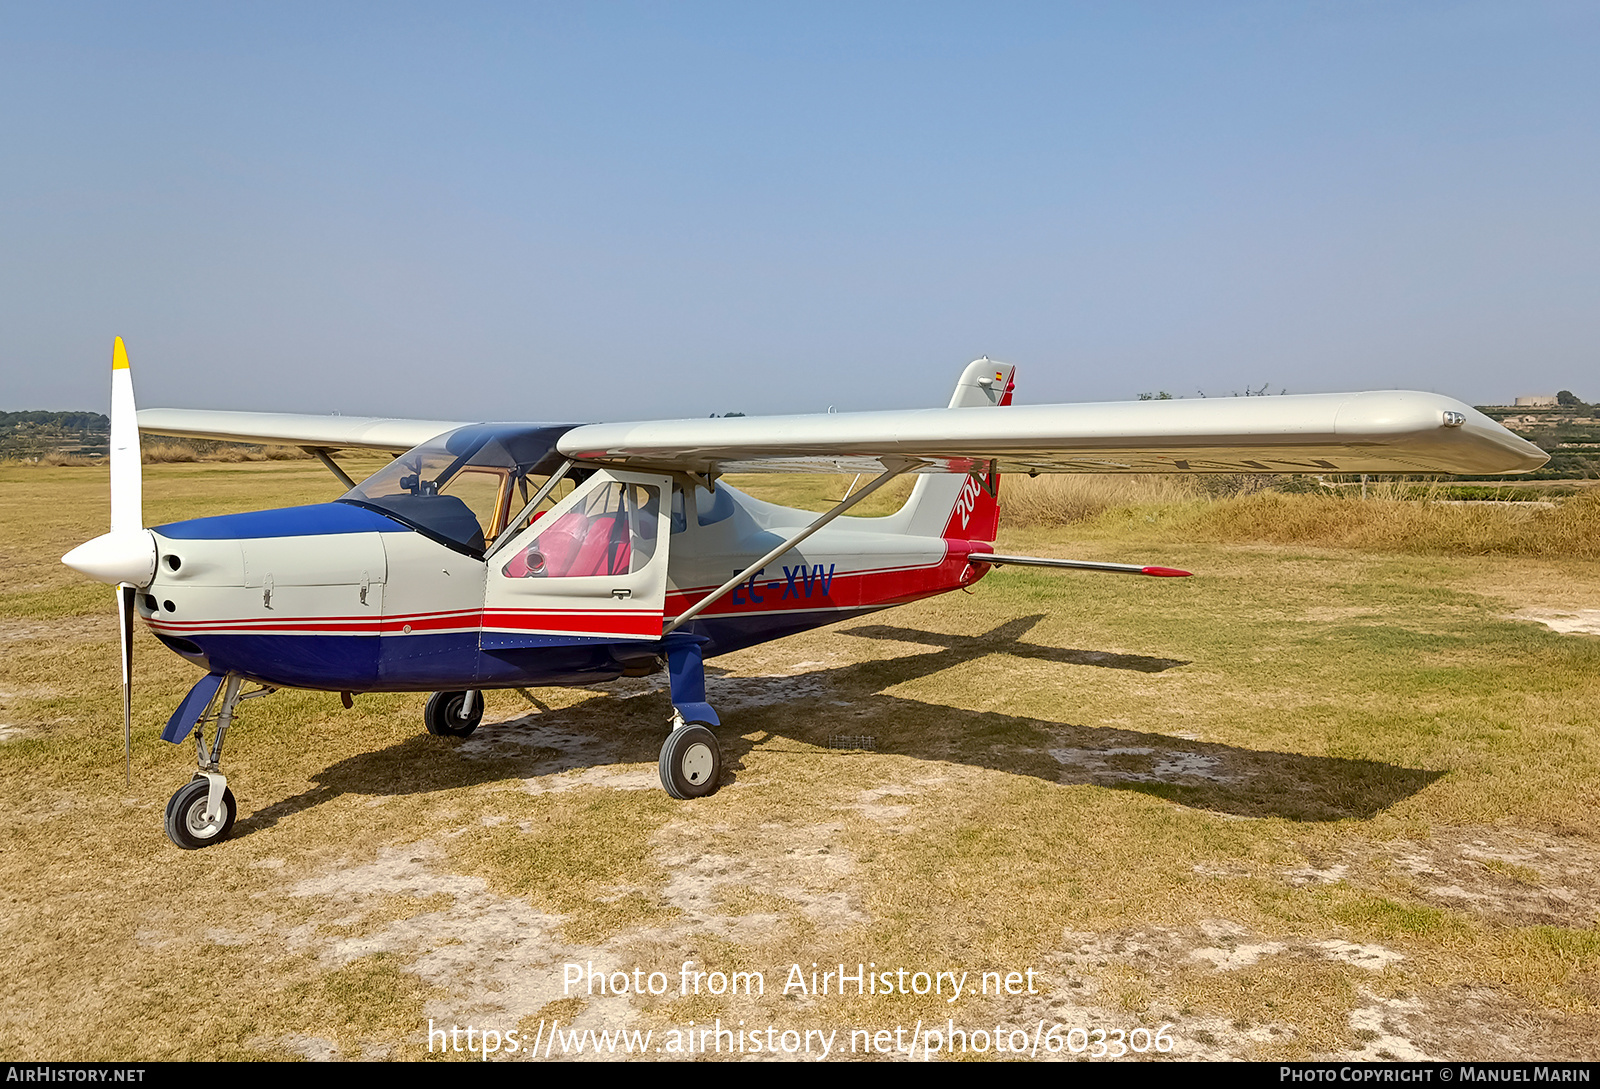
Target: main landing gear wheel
{"type": "Point", "coordinates": [186, 816]}
{"type": "Point", "coordinates": [691, 762]}
{"type": "Point", "coordinates": [444, 718]}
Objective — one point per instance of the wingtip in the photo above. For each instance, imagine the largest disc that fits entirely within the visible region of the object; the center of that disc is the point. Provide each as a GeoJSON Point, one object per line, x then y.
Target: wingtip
{"type": "Point", "coordinates": [119, 355]}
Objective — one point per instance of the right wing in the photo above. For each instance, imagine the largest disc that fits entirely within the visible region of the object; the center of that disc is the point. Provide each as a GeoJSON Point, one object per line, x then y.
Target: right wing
{"type": "Point", "coordinates": [1383, 432]}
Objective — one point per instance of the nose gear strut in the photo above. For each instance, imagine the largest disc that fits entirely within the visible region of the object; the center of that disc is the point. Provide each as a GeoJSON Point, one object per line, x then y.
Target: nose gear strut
{"type": "Point", "coordinates": [202, 811]}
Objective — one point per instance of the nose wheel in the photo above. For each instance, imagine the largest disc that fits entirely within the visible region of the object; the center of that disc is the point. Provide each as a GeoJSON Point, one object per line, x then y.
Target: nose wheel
{"type": "Point", "coordinates": [193, 822]}
{"type": "Point", "coordinates": [691, 762]}
{"type": "Point", "coordinates": [201, 812]}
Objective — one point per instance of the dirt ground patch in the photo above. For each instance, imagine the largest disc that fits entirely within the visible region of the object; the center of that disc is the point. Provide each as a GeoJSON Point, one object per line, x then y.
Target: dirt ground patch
{"type": "Point", "coordinates": [1508, 876]}
{"type": "Point", "coordinates": [1568, 622]}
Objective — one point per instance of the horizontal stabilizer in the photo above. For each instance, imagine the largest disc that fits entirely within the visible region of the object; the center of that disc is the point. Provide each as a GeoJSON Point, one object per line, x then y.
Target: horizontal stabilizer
{"type": "Point", "coordinates": [1080, 565]}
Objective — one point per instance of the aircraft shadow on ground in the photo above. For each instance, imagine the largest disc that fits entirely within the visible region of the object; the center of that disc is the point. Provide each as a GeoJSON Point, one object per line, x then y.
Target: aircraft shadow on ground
{"type": "Point", "coordinates": [598, 733]}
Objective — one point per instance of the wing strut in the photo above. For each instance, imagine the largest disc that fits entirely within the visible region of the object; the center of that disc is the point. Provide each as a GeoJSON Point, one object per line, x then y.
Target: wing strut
{"type": "Point", "coordinates": [894, 467]}
{"type": "Point", "coordinates": [322, 455]}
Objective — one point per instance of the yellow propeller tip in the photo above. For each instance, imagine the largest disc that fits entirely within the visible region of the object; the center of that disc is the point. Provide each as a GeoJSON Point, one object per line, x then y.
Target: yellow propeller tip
{"type": "Point", "coordinates": [119, 355]}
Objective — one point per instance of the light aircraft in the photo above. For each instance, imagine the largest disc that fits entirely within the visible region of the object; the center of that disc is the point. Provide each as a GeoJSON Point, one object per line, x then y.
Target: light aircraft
{"type": "Point", "coordinates": [501, 555]}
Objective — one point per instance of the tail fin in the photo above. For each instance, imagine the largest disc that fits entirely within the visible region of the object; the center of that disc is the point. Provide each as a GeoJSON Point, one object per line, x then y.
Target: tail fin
{"type": "Point", "coordinates": [947, 505]}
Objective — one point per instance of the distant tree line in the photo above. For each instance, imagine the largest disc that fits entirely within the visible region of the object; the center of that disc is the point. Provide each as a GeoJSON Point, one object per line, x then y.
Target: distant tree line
{"type": "Point", "coordinates": [83, 423]}
{"type": "Point", "coordinates": [36, 434]}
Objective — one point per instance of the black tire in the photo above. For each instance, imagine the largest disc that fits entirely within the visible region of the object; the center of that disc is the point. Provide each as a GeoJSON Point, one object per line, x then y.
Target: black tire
{"type": "Point", "coordinates": [443, 716]}
{"type": "Point", "coordinates": [186, 823]}
{"type": "Point", "coordinates": [691, 762]}
{"type": "Point", "coordinates": [173, 801]}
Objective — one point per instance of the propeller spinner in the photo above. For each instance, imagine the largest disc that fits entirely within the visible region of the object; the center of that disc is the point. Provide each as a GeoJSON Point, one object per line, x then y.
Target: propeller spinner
{"type": "Point", "coordinates": [126, 556]}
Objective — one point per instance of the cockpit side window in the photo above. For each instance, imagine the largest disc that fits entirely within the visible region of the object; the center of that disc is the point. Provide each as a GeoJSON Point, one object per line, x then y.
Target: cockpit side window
{"type": "Point", "coordinates": [680, 517]}
{"type": "Point", "coordinates": [611, 531]}
{"type": "Point", "coordinates": [486, 492]}
{"type": "Point", "coordinates": [712, 507]}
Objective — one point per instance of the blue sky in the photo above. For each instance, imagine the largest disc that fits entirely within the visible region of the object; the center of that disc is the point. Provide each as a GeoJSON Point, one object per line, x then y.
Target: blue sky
{"type": "Point", "coordinates": [619, 211]}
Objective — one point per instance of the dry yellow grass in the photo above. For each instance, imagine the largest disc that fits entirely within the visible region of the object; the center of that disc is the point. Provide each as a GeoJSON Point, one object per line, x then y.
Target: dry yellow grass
{"type": "Point", "coordinates": [1066, 498]}
{"type": "Point", "coordinates": [1396, 517]}
{"type": "Point", "coordinates": [166, 453]}
{"type": "Point", "coordinates": [58, 459]}
{"type": "Point", "coordinates": [1569, 528]}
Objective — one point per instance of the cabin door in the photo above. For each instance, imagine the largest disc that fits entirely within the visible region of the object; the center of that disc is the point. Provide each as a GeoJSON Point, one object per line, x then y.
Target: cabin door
{"type": "Point", "coordinates": [592, 567]}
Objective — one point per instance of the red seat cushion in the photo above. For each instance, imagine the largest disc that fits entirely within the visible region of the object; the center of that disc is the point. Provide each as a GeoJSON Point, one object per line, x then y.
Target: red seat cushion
{"type": "Point", "coordinates": [554, 552]}
{"type": "Point", "coordinates": [595, 555]}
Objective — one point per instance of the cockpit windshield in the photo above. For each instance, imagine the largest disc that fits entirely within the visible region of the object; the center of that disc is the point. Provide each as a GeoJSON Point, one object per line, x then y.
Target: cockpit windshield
{"type": "Point", "coordinates": [459, 487]}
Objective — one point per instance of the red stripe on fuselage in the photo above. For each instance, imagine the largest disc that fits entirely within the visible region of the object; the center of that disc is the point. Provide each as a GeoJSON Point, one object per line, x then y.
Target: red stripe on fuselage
{"type": "Point", "coordinates": [846, 591]}
{"type": "Point", "coordinates": [851, 590]}
{"type": "Point", "coordinates": [608, 622]}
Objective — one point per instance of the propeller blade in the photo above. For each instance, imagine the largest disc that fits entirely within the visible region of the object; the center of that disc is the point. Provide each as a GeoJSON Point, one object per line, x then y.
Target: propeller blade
{"type": "Point", "coordinates": [126, 556]}
{"type": "Point", "coordinates": [128, 553]}
{"type": "Point", "coordinates": [125, 612]}
{"type": "Point", "coordinates": [127, 525]}
{"type": "Point", "coordinates": [127, 497]}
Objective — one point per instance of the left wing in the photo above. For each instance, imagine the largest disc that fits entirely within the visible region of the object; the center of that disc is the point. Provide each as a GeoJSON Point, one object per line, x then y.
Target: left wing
{"type": "Point", "coordinates": [290, 429]}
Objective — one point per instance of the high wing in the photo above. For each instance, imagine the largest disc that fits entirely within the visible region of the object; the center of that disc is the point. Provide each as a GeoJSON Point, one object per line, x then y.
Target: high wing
{"type": "Point", "coordinates": [1386, 432]}
{"type": "Point", "coordinates": [1379, 432]}
{"type": "Point", "coordinates": [289, 429]}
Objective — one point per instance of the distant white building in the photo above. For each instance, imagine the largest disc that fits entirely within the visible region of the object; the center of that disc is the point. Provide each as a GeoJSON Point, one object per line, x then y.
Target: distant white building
{"type": "Point", "coordinates": [1537, 401]}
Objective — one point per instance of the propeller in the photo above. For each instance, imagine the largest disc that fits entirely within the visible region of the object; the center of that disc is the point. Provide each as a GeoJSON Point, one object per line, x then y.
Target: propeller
{"type": "Point", "coordinates": [126, 556]}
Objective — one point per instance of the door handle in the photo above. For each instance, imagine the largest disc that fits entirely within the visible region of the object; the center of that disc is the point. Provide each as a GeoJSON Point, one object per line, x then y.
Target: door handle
{"type": "Point", "coordinates": [621, 594]}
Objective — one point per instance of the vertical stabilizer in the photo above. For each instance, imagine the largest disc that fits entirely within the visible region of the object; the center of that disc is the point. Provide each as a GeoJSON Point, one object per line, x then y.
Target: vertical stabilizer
{"type": "Point", "coordinates": [948, 505]}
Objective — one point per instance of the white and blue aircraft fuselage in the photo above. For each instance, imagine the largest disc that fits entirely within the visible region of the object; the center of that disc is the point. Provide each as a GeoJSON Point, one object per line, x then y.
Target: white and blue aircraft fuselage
{"type": "Point", "coordinates": [511, 555]}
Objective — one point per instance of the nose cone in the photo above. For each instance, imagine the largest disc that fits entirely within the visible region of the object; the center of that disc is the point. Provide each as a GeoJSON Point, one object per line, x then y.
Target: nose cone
{"type": "Point", "coordinates": [126, 556]}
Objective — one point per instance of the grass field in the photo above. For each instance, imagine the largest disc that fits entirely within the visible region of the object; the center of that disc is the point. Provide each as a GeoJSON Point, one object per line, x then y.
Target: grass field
{"type": "Point", "coordinates": [1334, 796]}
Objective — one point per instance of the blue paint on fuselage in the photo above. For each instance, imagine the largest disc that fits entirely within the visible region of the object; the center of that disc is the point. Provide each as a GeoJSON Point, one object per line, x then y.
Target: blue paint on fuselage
{"type": "Point", "coordinates": [365, 663]}
{"type": "Point", "coordinates": [308, 521]}
{"type": "Point", "coordinates": [454, 661]}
